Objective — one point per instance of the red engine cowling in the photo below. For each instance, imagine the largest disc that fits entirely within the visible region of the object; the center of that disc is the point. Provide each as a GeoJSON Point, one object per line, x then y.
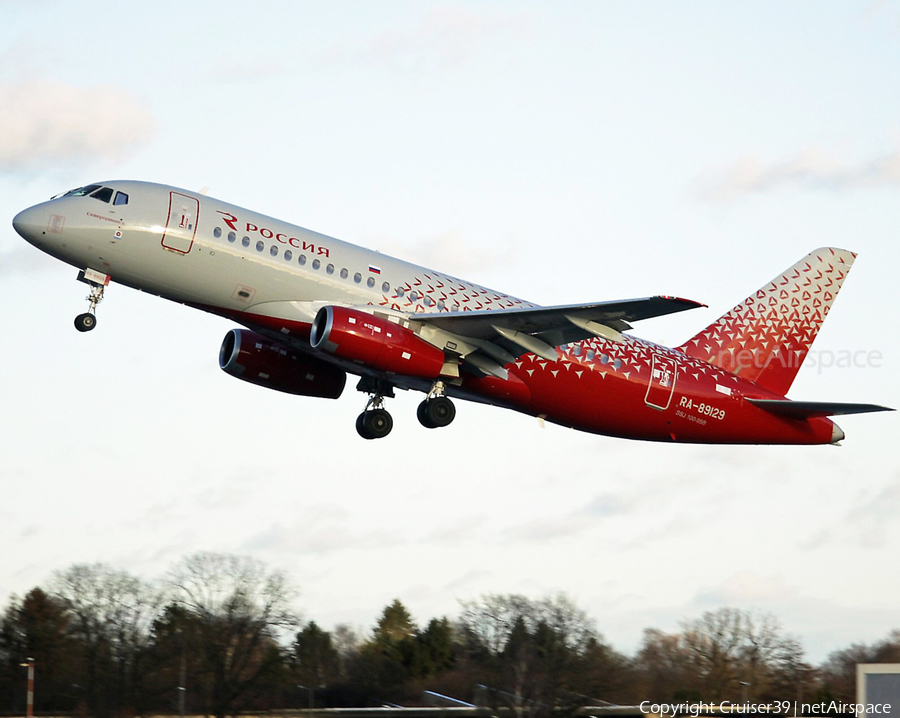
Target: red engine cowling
{"type": "Point", "coordinates": [251, 357]}
{"type": "Point", "coordinates": [374, 342]}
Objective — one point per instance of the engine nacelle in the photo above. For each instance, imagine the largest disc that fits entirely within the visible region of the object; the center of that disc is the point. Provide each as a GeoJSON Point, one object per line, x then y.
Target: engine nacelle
{"type": "Point", "coordinates": [251, 357]}
{"type": "Point", "coordinates": [374, 342]}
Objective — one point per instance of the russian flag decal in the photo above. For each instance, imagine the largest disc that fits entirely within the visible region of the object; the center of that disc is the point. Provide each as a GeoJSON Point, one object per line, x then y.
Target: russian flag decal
{"type": "Point", "coordinates": [374, 270]}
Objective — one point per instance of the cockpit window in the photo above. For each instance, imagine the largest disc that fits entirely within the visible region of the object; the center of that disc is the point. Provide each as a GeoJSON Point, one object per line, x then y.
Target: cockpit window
{"type": "Point", "coordinates": [121, 198]}
{"type": "Point", "coordinates": [104, 194]}
{"type": "Point", "coordinates": [82, 191]}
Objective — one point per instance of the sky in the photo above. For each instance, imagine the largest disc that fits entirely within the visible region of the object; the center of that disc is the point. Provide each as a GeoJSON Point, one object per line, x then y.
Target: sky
{"type": "Point", "coordinates": [559, 152]}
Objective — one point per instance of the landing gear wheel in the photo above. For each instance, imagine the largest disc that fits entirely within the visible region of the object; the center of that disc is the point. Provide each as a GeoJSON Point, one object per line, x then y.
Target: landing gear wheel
{"type": "Point", "coordinates": [85, 322]}
{"type": "Point", "coordinates": [374, 424]}
{"type": "Point", "coordinates": [436, 412]}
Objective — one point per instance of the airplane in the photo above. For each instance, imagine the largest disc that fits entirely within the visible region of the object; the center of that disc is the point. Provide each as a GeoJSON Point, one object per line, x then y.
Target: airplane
{"type": "Point", "coordinates": [314, 309]}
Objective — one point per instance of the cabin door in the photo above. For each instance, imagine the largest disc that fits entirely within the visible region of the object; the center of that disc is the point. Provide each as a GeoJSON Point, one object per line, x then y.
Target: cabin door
{"type": "Point", "coordinates": [181, 227]}
{"type": "Point", "coordinates": [663, 371]}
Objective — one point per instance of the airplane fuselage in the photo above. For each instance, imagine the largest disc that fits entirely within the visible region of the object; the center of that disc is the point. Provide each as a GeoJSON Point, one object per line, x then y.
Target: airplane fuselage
{"type": "Point", "coordinates": [274, 278]}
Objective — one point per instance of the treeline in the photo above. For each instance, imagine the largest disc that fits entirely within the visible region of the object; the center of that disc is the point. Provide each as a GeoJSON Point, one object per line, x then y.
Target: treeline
{"type": "Point", "coordinates": [220, 634]}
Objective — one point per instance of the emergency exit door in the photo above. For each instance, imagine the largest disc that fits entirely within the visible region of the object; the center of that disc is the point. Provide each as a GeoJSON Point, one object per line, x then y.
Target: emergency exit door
{"type": "Point", "coordinates": [181, 227]}
{"type": "Point", "coordinates": [663, 371]}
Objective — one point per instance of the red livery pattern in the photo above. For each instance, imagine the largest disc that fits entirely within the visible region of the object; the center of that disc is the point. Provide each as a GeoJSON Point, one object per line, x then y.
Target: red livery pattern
{"type": "Point", "coordinates": [766, 337]}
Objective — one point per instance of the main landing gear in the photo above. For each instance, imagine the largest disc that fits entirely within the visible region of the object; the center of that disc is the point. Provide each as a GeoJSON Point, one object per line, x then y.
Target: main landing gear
{"type": "Point", "coordinates": [97, 281]}
{"type": "Point", "coordinates": [437, 410]}
{"type": "Point", "coordinates": [375, 422]}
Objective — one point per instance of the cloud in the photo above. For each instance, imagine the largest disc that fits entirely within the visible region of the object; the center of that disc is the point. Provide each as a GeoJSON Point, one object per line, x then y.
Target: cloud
{"type": "Point", "coordinates": [230, 69]}
{"type": "Point", "coordinates": [437, 39]}
{"type": "Point", "coordinates": [868, 522]}
{"type": "Point", "coordinates": [811, 169]}
{"type": "Point", "coordinates": [441, 37]}
{"type": "Point", "coordinates": [745, 588]}
{"type": "Point", "coordinates": [594, 514]}
{"type": "Point", "coordinates": [45, 124]}
{"type": "Point", "coordinates": [453, 252]}
{"type": "Point", "coordinates": [25, 260]}
{"type": "Point", "coordinates": [323, 531]}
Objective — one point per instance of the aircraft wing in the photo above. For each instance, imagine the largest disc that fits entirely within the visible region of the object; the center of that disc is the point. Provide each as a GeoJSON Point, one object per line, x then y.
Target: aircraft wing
{"type": "Point", "coordinates": [540, 320]}
{"type": "Point", "coordinates": [505, 334]}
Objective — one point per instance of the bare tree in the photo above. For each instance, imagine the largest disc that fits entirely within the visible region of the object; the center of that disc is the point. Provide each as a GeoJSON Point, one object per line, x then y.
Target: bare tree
{"type": "Point", "coordinates": [736, 654]}
{"type": "Point", "coordinates": [715, 642]}
{"type": "Point", "coordinates": [111, 617]}
{"type": "Point", "coordinates": [235, 608]}
{"type": "Point", "coordinates": [664, 667]}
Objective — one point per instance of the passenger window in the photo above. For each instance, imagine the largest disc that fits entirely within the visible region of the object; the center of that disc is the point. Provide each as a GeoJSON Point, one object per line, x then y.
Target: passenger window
{"type": "Point", "coordinates": [273, 250]}
{"type": "Point", "coordinates": [121, 198]}
{"type": "Point", "coordinates": [330, 269]}
{"type": "Point", "coordinates": [288, 255]}
{"type": "Point", "coordinates": [344, 273]}
{"type": "Point", "coordinates": [370, 282]}
{"type": "Point", "coordinates": [246, 241]}
{"type": "Point", "coordinates": [385, 287]}
{"type": "Point", "coordinates": [104, 194]}
{"type": "Point", "coordinates": [231, 236]}
{"type": "Point", "coordinates": [302, 259]}
{"type": "Point", "coordinates": [260, 246]}
{"type": "Point", "coordinates": [217, 232]}
{"type": "Point", "coordinates": [316, 264]}
{"type": "Point", "coordinates": [357, 277]}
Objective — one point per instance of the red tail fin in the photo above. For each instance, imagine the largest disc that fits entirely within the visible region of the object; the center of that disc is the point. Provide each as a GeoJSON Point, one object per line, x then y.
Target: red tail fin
{"type": "Point", "coordinates": [766, 337]}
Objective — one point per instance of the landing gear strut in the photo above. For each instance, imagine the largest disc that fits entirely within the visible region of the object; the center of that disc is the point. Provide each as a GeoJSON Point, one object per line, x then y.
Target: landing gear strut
{"type": "Point", "coordinates": [375, 422]}
{"type": "Point", "coordinates": [97, 281]}
{"type": "Point", "coordinates": [437, 410]}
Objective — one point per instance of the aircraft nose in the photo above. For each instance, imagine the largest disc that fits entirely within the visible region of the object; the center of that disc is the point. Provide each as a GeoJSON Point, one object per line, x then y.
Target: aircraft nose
{"type": "Point", "coordinates": [30, 223]}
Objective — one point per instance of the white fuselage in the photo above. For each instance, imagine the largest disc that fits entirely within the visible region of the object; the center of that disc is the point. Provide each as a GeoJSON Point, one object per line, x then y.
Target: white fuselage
{"type": "Point", "coordinates": [194, 249]}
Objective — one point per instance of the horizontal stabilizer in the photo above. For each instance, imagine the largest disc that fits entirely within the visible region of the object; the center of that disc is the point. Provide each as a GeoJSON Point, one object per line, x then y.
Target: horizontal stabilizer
{"type": "Point", "coordinates": [810, 409]}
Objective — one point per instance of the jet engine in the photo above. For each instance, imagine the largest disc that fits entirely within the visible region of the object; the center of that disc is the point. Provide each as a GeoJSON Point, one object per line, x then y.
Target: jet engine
{"type": "Point", "coordinates": [251, 357]}
{"type": "Point", "coordinates": [374, 342]}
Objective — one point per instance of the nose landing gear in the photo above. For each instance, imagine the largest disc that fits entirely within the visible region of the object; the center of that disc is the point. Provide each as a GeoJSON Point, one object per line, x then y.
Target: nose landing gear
{"type": "Point", "coordinates": [85, 322]}
{"type": "Point", "coordinates": [97, 281]}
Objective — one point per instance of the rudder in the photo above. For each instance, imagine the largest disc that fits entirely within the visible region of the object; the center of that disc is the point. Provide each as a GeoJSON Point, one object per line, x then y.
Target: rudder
{"type": "Point", "coordinates": [766, 337]}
